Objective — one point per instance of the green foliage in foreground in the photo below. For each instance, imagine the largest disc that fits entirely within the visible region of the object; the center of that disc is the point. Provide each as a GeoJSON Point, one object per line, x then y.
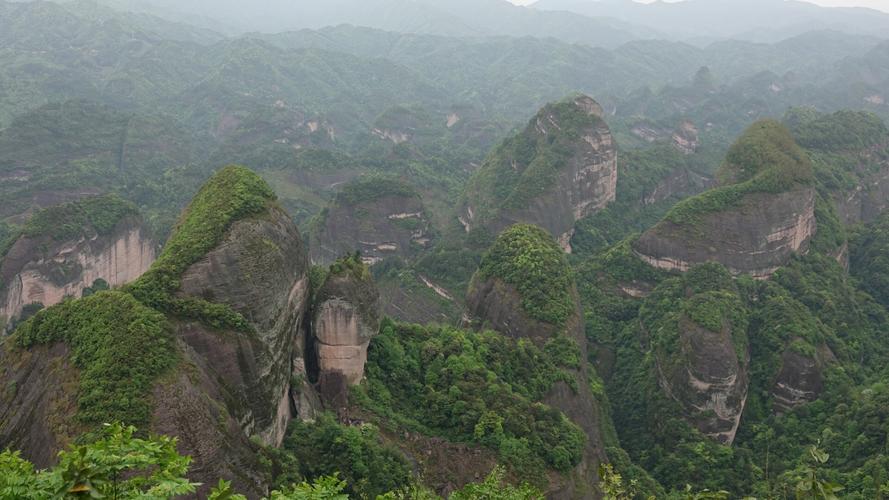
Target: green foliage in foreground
{"type": "Point", "coordinates": [765, 159]}
{"type": "Point", "coordinates": [231, 194]}
{"type": "Point", "coordinates": [121, 466]}
{"type": "Point", "coordinates": [118, 465]}
{"type": "Point", "coordinates": [120, 345]}
{"type": "Point", "coordinates": [478, 387]}
{"type": "Point", "coordinates": [527, 258]}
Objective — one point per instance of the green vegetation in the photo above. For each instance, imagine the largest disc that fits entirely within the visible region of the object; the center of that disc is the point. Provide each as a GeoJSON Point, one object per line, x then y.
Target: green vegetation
{"type": "Point", "coordinates": [841, 131]}
{"type": "Point", "coordinates": [870, 259]}
{"type": "Point", "coordinates": [527, 258]}
{"type": "Point", "coordinates": [122, 466]}
{"type": "Point", "coordinates": [809, 307]}
{"type": "Point", "coordinates": [99, 215]}
{"type": "Point", "coordinates": [374, 187]}
{"type": "Point", "coordinates": [765, 159]}
{"type": "Point", "coordinates": [475, 387]}
{"type": "Point", "coordinates": [525, 166]}
{"type": "Point", "coordinates": [232, 194]}
{"type": "Point", "coordinates": [639, 174]}
{"type": "Point", "coordinates": [324, 447]}
{"type": "Point", "coordinates": [120, 346]}
{"type": "Point", "coordinates": [118, 465]}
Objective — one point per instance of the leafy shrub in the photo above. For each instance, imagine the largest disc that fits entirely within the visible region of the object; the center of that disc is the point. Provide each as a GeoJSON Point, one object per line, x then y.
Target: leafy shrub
{"type": "Point", "coordinates": [527, 258]}
{"type": "Point", "coordinates": [70, 220]}
{"type": "Point", "coordinates": [476, 387]}
{"type": "Point", "coordinates": [231, 194]}
{"type": "Point", "coordinates": [120, 346]}
{"type": "Point", "coordinates": [324, 447]}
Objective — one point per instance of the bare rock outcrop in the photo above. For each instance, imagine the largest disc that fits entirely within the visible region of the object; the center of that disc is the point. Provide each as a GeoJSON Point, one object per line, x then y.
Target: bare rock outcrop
{"type": "Point", "coordinates": [379, 217]}
{"type": "Point", "coordinates": [762, 213]}
{"type": "Point", "coordinates": [756, 239]}
{"type": "Point", "coordinates": [346, 315]}
{"type": "Point", "coordinates": [227, 299]}
{"type": "Point", "coordinates": [259, 269]}
{"type": "Point", "coordinates": [561, 168]}
{"type": "Point", "coordinates": [800, 378]}
{"type": "Point", "coordinates": [709, 380]}
{"type": "Point", "coordinates": [685, 138]}
{"type": "Point", "coordinates": [42, 268]}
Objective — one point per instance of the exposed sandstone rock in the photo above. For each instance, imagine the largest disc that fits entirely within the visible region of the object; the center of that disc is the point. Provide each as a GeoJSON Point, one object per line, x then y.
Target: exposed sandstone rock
{"type": "Point", "coordinates": [382, 224]}
{"type": "Point", "coordinates": [800, 379]}
{"type": "Point", "coordinates": [867, 200]}
{"type": "Point", "coordinates": [346, 316]}
{"type": "Point", "coordinates": [231, 383]}
{"type": "Point", "coordinates": [685, 139]}
{"type": "Point", "coordinates": [755, 239]}
{"type": "Point", "coordinates": [260, 270]}
{"type": "Point", "coordinates": [37, 399]}
{"type": "Point", "coordinates": [552, 186]}
{"type": "Point", "coordinates": [707, 379]}
{"type": "Point", "coordinates": [762, 213]}
{"type": "Point", "coordinates": [40, 270]}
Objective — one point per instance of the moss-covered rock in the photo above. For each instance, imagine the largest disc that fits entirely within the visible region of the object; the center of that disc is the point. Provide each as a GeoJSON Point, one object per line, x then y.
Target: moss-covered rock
{"type": "Point", "coordinates": [763, 212]}
{"type": "Point", "coordinates": [560, 168]}
{"type": "Point", "coordinates": [524, 289]}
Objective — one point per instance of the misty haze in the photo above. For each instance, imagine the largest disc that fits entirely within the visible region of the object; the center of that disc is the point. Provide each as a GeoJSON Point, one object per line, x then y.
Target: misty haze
{"type": "Point", "coordinates": [444, 249]}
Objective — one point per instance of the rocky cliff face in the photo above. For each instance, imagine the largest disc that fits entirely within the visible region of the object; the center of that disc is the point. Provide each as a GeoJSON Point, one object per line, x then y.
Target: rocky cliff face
{"type": "Point", "coordinates": [561, 168]}
{"type": "Point", "coordinates": [763, 212]}
{"type": "Point", "coordinates": [380, 218]}
{"type": "Point", "coordinates": [65, 249]}
{"type": "Point", "coordinates": [497, 303]}
{"type": "Point", "coordinates": [756, 239]}
{"type": "Point", "coordinates": [685, 138]}
{"type": "Point", "coordinates": [697, 327]}
{"type": "Point", "coordinates": [39, 270]}
{"type": "Point", "coordinates": [259, 269]}
{"type": "Point", "coordinates": [346, 316]}
{"type": "Point", "coordinates": [709, 381]}
{"type": "Point", "coordinates": [799, 381]}
{"type": "Point", "coordinates": [233, 283]}
{"type": "Point", "coordinates": [870, 198]}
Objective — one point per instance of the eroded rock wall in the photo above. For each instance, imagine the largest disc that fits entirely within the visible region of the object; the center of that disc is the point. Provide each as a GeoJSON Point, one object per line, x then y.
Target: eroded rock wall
{"type": "Point", "coordinates": [346, 316]}
{"type": "Point", "coordinates": [708, 379]}
{"type": "Point", "coordinates": [755, 238]}
{"type": "Point", "coordinates": [390, 226]}
{"type": "Point", "coordinates": [39, 270]}
{"type": "Point", "coordinates": [260, 270]}
{"type": "Point", "coordinates": [584, 183]}
{"type": "Point", "coordinates": [498, 306]}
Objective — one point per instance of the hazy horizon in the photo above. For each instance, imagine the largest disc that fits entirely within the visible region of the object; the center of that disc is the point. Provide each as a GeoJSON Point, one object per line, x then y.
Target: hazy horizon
{"type": "Point", "coordinates": [882, 5]}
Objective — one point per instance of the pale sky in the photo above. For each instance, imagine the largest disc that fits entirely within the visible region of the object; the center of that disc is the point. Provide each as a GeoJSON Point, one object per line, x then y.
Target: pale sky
{"type": "Point", "coordinates": [873, 4]}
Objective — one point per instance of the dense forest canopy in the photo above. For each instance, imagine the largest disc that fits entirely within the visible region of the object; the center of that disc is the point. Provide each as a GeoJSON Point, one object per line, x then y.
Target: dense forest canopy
{"type": "Point", "coordinates": [422, 249]}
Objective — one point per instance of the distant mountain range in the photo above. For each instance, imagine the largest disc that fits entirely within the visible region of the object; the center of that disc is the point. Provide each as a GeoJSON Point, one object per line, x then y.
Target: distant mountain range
{"type": "Point", "coordinates": [450, 18]}
{"type": "Point", "coordinates": [708, 20]}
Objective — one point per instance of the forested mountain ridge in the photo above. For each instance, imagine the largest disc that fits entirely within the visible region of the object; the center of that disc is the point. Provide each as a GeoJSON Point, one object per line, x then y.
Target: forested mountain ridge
{"type": "Point", "coordinates": [580, 269]}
